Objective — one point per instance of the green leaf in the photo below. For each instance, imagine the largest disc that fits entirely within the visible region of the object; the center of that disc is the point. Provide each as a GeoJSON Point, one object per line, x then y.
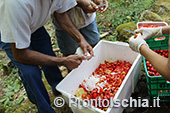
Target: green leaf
{"type": "Point", "coordinates": [6, 102]}
{"type": "Point", "coordinates": [7, 90]}
{"type": "Point", "coordinates": [10, 88]}
{"type": "Point", "coordinates": [9, 93]}
{"type": "Point", "coordinates": [17, 88]}
{"type": "Point", "coordinates": [2, 100]}
{"type": "Point", "coordinates": [20, 100]}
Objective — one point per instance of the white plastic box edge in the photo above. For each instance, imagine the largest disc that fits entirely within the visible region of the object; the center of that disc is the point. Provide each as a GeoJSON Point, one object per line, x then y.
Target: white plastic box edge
{"type": "Point", "coordinates": [136, 68]}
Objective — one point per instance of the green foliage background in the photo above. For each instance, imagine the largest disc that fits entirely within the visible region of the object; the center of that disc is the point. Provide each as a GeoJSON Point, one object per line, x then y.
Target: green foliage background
{"type": "Point", "coordinates": [122, 11]}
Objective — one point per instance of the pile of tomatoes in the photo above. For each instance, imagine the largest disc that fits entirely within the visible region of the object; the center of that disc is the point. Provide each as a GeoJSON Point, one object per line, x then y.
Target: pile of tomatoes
{"type": "Point", "coordinates": [110, 76]}
{"type": "Point", "coordinates": [150, 68]}
{"type": "Point", "coordinates": [148, 26]}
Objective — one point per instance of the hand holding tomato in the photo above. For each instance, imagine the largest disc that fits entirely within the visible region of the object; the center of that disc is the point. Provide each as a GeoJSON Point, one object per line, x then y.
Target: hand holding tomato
{"type": "Point", "coordinates": [136, 42]}
{"type": "Point", "coordinates": [149, 32]}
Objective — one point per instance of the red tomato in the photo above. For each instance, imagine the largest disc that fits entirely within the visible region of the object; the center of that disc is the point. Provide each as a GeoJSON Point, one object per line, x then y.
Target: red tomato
{"type": "Point", "coordinates": [89, 97]}
{"type": "Point", "coordinates": [161, 51]}
{"type": "Point", "coordinates": [157, 74]}
{"type": "Point", "coordinates": [95, 95]}
{"type": "Point", "coordinates": [158, 51]}
{"type": "Point", "coordinates": [150, 73]}
{"type": "Point", "coordinates": [83, 96]}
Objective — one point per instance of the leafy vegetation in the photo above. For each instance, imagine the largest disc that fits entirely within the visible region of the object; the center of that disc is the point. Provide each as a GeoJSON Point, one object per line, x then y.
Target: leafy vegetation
{"type": "Point", "coordinates": [11, 88]}
{"type": "Point", "coordinates": [122, 11]}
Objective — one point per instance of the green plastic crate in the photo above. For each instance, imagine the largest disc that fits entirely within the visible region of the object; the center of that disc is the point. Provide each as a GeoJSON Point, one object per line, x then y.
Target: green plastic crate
{"type": "Point", "coordinates": [157, 85]}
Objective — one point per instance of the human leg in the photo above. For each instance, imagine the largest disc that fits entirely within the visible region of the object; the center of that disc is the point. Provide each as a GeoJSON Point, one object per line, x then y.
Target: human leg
{"type": "Point", "coordinates": [41, 42]}
{"type": "Point", "coordinates": [32, 80]}
{"type": "Point", "coordinates": [66, 43]}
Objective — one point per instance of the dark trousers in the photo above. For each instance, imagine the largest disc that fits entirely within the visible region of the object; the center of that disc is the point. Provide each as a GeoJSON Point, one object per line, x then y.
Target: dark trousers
{"type": "Point", "coordinates": [31, 75]}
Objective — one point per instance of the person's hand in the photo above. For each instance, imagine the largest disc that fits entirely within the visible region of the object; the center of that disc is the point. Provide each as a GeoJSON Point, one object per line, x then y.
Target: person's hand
{"type": "Point", "coordinates": [88, 6]}
{"type": "Point", "coordinates": [149, 32]}
{"type": "Point", "coordinates": [79, 51]}
{"type": "Point", "coordinates": [86, 48]}
{"type": "Point", "coordinates": [135, 43]}
{"type": "Point", "coordinates": [73, 61]}
{"type": "Point", "coordinates": [103, 8]}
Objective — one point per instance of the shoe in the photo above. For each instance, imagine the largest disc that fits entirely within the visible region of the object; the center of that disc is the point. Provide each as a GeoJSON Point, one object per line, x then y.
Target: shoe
{"type": "Point", "coordinates": [55, 92]}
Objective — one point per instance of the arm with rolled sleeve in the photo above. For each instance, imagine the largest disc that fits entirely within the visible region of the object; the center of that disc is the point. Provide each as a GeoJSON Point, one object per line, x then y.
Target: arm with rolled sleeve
{"type": "Point", "coordinates": [66, 24]}
{"type": "Point", "coordinates": [17, 32]}
{"type": "Point", "coordinates": [160, 63]}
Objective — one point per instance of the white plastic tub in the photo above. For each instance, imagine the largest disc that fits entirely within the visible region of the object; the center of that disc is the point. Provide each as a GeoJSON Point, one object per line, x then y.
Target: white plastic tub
{"type": "Point", "coordinates": [151, 23]}
{"type": "Point", "coordinates": [104, 50]}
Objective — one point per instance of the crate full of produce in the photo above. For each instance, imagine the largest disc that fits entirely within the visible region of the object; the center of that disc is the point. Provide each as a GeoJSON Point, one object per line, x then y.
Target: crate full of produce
{"type": "Point", "coordinates": [157, 85]}
{"type": "Point", "coordinates": [112, 73]}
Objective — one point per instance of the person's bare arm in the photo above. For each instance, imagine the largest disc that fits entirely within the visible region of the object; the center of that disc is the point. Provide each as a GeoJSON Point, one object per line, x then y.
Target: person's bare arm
{"type": "Point", "coordinates": [66, 24]}
{"type": "Point", "coordinates": [31, 57]}
{"type": "Point", "coordinates": [91, 6]}
{"type": "Point", "coordinates": [88, 6]}
{"type": "Point", "coordinates": [165, 30]}
{"type": "Point", "coordinates": [138, 44]}
{"type": "Point", "coordinates": [160, 63]}
{"type": "Point", "coordinates": [103, 8]}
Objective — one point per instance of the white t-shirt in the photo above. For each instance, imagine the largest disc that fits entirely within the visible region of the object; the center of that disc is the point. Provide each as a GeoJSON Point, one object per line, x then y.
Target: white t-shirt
{"type": "Point", "coordinates": [88, 20]}
{"type": "Point", "coordinates": [20, 18]}
{"type": "Point", "coordinates": [78, 17]}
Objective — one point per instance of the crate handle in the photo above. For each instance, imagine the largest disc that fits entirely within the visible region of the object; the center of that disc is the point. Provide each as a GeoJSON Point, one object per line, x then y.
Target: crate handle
{"type": "Point", "coordinates": [160, 38]}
